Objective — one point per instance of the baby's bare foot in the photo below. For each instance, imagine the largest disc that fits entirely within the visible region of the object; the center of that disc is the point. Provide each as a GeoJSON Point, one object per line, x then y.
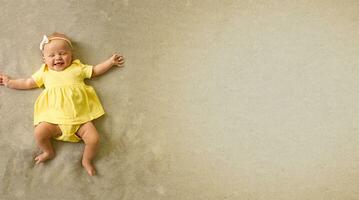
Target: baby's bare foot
{"type": "Point", "coordinates": [89, 168]}
{"type": "Point", "coordinates": [43, 157]}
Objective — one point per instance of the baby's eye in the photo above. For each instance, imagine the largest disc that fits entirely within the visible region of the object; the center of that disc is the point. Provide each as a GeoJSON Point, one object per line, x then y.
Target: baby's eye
{"type": "Point", "coordinates": [63, 53]}
{"type": "Point", "coordinates": [51, 55]}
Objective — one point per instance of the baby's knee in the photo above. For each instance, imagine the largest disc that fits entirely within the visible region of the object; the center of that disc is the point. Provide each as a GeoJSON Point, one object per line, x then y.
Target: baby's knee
{"type": "Point", "coordinates": [95, 139]}
{"type": "Point", "coordinates": [92, 139]}
{"type": "Point", "coordinates": [41, 135]}
{"type": "Point", "coordinates": [42, 131]}
{"type": "Point", "coordinates": [89, 134]}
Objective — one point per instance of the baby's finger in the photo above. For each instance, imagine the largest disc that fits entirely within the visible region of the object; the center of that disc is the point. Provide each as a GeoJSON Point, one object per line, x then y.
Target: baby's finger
{"type": "Point", "coordinates": [119, 58]}
{"type": "Point", "coordinates": [121, 61]}
{"type": "Point", "coordinates": [120, 64]}
{"type": "Point", "coordinates": [119, 55]}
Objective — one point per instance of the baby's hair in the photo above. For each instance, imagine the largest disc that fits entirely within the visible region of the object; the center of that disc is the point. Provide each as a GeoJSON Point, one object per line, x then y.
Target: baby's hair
{"type": "Point", "coordinates": [60, 36]}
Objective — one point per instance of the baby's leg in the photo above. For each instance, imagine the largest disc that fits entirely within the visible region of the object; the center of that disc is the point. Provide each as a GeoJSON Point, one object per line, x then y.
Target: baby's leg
{"type": "Point", "coordinates": [43, 134]}
{"type": "Point", "coordinates": [90, 136]}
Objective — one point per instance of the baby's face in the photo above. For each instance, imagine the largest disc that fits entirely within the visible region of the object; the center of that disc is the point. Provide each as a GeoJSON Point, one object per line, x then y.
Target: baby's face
{"type": "Point", "coordinates": [57, 55]}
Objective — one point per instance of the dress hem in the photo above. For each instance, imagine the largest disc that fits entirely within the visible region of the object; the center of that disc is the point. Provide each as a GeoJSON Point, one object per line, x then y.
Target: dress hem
{"type": "Point", "coordinates": [73, 121]}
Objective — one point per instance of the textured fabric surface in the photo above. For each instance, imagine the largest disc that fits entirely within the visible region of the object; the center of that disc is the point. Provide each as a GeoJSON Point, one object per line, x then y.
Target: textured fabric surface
{"type": "Point", "coordinates": [230, 99]}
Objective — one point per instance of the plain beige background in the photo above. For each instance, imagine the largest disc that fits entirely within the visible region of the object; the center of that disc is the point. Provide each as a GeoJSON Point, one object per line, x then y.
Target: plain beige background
{"type": "Point", "coordinates": [246, 99]}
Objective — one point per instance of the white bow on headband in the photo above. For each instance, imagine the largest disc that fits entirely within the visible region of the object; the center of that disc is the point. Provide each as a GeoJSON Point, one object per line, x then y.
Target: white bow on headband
{"type": "Point", "coordinates": [45, 40]}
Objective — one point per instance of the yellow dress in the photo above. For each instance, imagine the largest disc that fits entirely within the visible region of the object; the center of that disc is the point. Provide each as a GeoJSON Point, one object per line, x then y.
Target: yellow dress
{"type": "Point", "coordinates": [66, 99]}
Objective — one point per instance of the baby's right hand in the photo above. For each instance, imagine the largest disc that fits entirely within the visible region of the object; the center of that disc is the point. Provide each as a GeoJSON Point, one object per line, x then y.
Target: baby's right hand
{"type": "Point", "coordinates": [4, 80]}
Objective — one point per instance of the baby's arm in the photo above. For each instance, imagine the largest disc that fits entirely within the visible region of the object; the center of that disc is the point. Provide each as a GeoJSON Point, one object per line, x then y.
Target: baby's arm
{"type": "Point", "coordinates": [20, 84]}
{"type": "Point", "coordinates": [116, 59]}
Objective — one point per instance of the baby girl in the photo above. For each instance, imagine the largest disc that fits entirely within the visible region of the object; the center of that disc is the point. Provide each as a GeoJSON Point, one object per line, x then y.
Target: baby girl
{"type": "Point", "coordinates": [66, 107]}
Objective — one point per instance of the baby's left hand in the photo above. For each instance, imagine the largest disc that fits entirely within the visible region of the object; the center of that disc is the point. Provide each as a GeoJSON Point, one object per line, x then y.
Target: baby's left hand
{"type": "Point", "coordinates": [4, 80]}
{"type": "Point", "coordinates": [117, 59]}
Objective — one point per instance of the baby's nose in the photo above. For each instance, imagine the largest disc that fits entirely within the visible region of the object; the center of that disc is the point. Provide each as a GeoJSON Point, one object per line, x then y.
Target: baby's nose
{"type": "Point", "coordinates": [58, 57]}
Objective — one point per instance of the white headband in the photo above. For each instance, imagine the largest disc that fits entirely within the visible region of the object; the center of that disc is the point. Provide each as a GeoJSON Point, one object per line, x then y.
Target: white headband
{"type": "Point", "coordinates": [46, 40]}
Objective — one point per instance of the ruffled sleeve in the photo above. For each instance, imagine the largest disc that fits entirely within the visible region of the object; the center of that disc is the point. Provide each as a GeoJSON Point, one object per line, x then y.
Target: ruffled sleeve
{"type": "Point", "coordinates": [38, 76]}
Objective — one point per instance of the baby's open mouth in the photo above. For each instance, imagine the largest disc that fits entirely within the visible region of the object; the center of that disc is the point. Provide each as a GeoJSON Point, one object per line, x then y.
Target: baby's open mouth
{"type": "Point", "coordinates": [58, 63]}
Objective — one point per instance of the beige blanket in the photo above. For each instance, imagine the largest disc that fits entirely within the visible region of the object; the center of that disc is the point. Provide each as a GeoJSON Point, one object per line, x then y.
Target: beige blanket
{"type": "Point", "coordinates": [218, 100]}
